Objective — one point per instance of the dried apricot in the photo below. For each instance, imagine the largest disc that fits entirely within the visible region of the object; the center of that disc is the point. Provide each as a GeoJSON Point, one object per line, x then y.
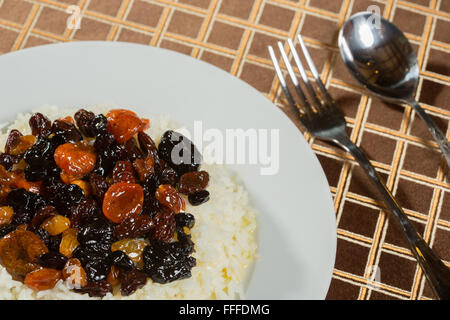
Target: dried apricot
{"type": "Point", "coordinates": [22, 144]}
{"type": "Point", "coordinates": [192, 182]}
{"type": "Point", "coordinates": [75, 159]}
{"type": "Point", "coordinates": [69, 242]}
{"type": "Point", "coordinates": [133, 248]}
{"type": "Point", "coordinates": [43, 279]}
{"type": "Point", "coordinates": [124, 124]}
{"type": "Point", "coordinates": [169, 197]}
{"type": "Point", "coordinates": [6, 215]}
{"type": "Point", "coordinates": [74, 274]}
{"type": "Point", "coordinates": [121, 200]}
{"type": "Point", "coordinates": [56, 225]}
{"type": "Point", "coordinates": [19, 251]}
{"type": "Point", "coordinates": [144, 167]}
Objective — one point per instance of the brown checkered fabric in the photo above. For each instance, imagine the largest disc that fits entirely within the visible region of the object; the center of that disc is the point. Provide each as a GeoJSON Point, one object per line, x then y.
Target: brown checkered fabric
{"type": "Point", "coordinates": [233, 35]}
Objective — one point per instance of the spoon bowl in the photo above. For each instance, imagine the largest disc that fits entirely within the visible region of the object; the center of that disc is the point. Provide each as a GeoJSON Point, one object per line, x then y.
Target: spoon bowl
{"type": "Point", "coordinates": [381, 59]}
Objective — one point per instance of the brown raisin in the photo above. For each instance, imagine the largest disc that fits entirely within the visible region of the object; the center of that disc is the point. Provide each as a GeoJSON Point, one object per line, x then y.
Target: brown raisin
{"type": "Point", "coordinates": [169, 197]}
{"type": "Point", "coordinates": [123, 172]}
{"type": "Point", "coordinates": [192, 182]}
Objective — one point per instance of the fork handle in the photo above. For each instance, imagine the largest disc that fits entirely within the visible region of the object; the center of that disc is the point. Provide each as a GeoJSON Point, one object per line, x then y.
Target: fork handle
{"type": "Point", "coordinates": [435, 270]}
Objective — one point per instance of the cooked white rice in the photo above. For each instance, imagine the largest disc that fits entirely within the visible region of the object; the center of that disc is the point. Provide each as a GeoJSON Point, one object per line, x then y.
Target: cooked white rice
{"type": "Point", "coordinates": [224, 236]}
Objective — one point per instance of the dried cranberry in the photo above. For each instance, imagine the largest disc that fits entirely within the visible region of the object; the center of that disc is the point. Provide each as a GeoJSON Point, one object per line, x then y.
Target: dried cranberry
{"type": "Point", "coordinates": [12, 137]}
{"type": "Point", "coordinates": [132, 281]}
{"type": "Point", "coordinates": [52, 260]}
{"type": "Point", "coordinates": [40, 125]}
{"type": "Point", "coordinates": [198, 198]}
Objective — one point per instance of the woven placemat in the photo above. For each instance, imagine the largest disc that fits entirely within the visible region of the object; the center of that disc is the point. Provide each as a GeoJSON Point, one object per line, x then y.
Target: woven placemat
{"type": "Point", "coordinates": [373, 260]}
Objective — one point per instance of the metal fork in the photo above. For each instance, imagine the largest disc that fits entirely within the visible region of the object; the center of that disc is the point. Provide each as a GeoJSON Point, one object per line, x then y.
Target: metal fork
{"type": "Point", "coordinates": [318, 114]}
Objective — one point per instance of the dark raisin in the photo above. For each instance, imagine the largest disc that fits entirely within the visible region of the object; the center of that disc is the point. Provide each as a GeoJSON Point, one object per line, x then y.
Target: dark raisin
{"type": "Point", "coordinates": [133, 151]}
{"type": "Point", "coordinates": [164, 226]}
{"type": "Point", "coordinates": [106, 159]}
{"type": "Point", "coordinates": [12, 137]}
{"type": "Point", "coordinates": [87, 211]}
{"type": "Point", "coordinates": [103, 141]}
{"type": "Point", "coordinates": [97, 236]}
{"type": "Point", "coordinates": [198, 198]}
{"type": "Point", "coordinates": [40, 125]}
{"type": "Point", "coordinates": [52, 260]}
{"type": "Point", "coordinates": [132, 281]}
{"type": "Point", "coordinates": [167, 262]}
{"type": "Point", "coordinates": [133, 226]}
{"type": "Point", "coordinates": [169, 176]}
{"type": "Point", "coordinates": [65, 132]}
{"type": "Point", "coordinates": [42, 214]}
{"type": "Point", "coordinates": [66, 197]}
{"type": "Point", "coordinates": [184, 220]}
{"type": "Point", "coordinates": [84, 120]}
{"type": "Point", "coordinates": [148, 146]}
{"type": "Point", "coordinates": [97, 269]}
{"type": "Point", "coordinates": [99, 124]}
{"type": "Point", "coordinates": [124, 172]}
{"type": "Point", "coordinates": [43, 234]}
{"type": "Point", "coordinates": [193, 182]}
{"type": "Point", "coordinates": [54, 242]}
{"type": "Point", "coordinates": [98, 186]}
{"type": "Point", "coordinates": [7, 160]}
{"type": "Point", "coordinates": [25, 205]}
{"type": "Point", "coordinates": [179, 152]}
{"type": "Point", "coordinates": [96, 289]}
{"type": "Point", "coordinates": [4, 230]}
{"type": "Point", "coordinates": [120, 259]}
{"type": "Point", "coordinates": [40, 160]}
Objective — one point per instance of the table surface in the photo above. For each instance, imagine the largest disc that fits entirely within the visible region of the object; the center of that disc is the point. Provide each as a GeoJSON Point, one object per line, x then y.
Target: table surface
{"type": "Point", "coordinates": [373, 260]}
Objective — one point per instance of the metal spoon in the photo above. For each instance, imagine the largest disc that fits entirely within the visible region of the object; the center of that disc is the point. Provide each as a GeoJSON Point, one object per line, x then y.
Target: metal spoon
{"type": "Point", "coordinates": [381, 59]}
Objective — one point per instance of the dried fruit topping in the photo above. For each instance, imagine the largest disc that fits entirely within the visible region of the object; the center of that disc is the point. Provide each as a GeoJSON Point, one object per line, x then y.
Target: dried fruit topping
{"type": "Point", "coordinates": [43, 279]}
{"type": "Point", "coordinates": [148, 145]}
{"type": "Point", "coordinates": [7, 160]}
{"type": "Point", "coordinates": [124, 172]}
{"type": "Point", "coordinates": [41, 126]}
{"type": "Point", "coordinates": [12, 137]}
{"type": "Point", "coordinates": [133, 226]}
{"type": "Point", "coordinates": [132, 247]}
{"type": "Point", "coordinates": [74, 274]}
{"type": "Point", "coordinates": [90, 124]}
{"type": "Point", "coordinates": [198, 198]}
{"type": "Point", "coordinates": [96, 237]}
{"type": "Point", "coordinates": [22, 183]}
{"type": "Point", "coordinates": [169, 197]}
{"type": "Point", "coordinates": [41, 215]}
{"type": "Point", "coordinates": [192, 182]}
{"type": "Point", "coordinates": [65, 131]}
{"type": "Point", "coordinates": [124, 124]}
{"type": "Point", "coordinates": [56, 225]}
{"type": "Point", "coordinates": [184, 220]}
{"type": "Point", "coordinates": [69, 242]}
{"type": "Point", "coordinates": [25, 205]}
{"type": "Point", "coordinates": [132, 150]}
{"type": "Point", "coordinates": [132, 281]}
{"type": "Point", "coordinates": [121, 260]}
{"type": "Point", "coordinates": [52, 260]}
{"type": "Point", "coordinates": [121, 200]}
{"type": "Point", "coordinates": [75, 159]}
{"type": "Point", "coordinates": [66, 196]}
{"type": "Point", "coordinates": [113, 276]}
{"type": "Point", "coordinates": [19, 252]}
{"type": "Point", "coordinates": [96, 289]}
{"type": "Point", "coordinates": [98, 186]}
{"type": "Point", "coordinates": [169, 176]}
{"type": "Point", "coordinates": [166, 262]}
{"type": "Point", "coordinates": [179, 152]}
{"type": "Point", "coordinates": [4, 230]}
{"type": "Point", "coordinates": [144, 167]}
{"type": "Point", "coordinates": [97, 269]}
{"type": "Point", "coordinates": [22, 144]}
{"type": "Point", "coordinates": [164, 229]}
{"type": "Point", "coordinates": [84, 185]}
{"type": "Point", "coordinates": [84, 213]}
{"type": "Point", "coordinates": [6, 215]}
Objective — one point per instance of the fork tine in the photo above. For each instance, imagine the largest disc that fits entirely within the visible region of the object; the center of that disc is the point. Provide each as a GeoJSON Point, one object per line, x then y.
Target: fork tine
{"type": "Point", "coordinates": [303, 99]}
{"type": "Point", "coordinates": [313, 69]}
{"type": "Point", "coordinates": [286, 91]}
{"type": "Point", "coordinates": [316, 102]}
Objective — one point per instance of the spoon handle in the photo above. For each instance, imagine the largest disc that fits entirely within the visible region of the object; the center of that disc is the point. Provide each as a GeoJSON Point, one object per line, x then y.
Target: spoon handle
{"type": "Point", "coordinates": [435, 270]}
{"type": "Point", "coordinates": [435, 131]}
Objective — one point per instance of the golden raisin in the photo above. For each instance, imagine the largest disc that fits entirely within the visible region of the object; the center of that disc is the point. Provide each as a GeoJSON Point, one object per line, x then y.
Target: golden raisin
{"type": "Point", "coordinates": [19, 251]}
{"type": "Point", "coordinates": [133, 248]}
{"type": "Point", "coordinates": [144, 167]}
{"type": "Point", "coordinates": [69, 242]}
{"type": "Point", "coordinates": [56, 225]}
{"type": "Point", "coordinates": [113, 276]}
{"type": "Point", "coordinates": [75, 159]}
{"type": "Point", "coordinates": [22, 183]}
{"type": "Point", "coordinates": [22, 144]}
{"type": "Point", "coordinates": [6, 215]}
{"type": "Point", "coordinates": [74, 274]}
{"type": "Point", "coordinates": [121, 200]}
{"type": "Point", "coordinates": [43, 279]}
{"type": "Point", "coordinates": [169, 197]}
{"type": "Point", "coordinates": [124, 124]}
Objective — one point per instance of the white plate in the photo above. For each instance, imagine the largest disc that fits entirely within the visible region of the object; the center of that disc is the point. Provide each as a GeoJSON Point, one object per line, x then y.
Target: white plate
{"type": "Point", "coordinates": [296, 223]}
